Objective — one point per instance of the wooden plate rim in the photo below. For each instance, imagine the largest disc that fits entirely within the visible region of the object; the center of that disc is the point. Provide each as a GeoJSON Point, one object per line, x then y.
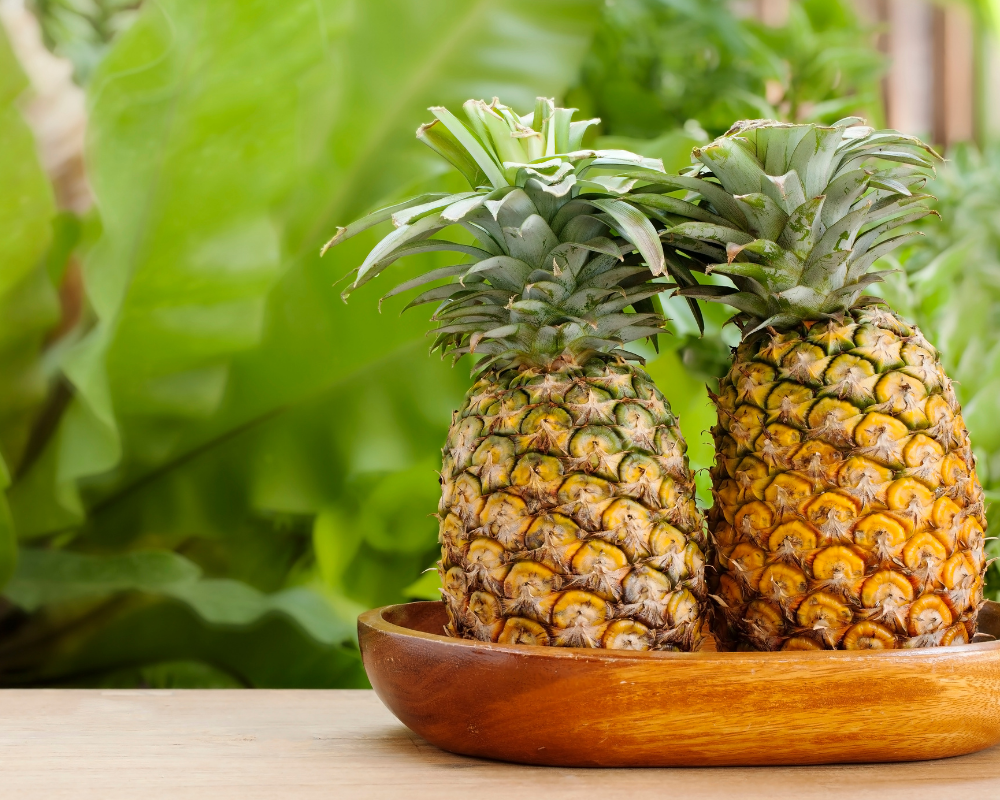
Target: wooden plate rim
{"type": "Point", "coordinates": [375, 620]}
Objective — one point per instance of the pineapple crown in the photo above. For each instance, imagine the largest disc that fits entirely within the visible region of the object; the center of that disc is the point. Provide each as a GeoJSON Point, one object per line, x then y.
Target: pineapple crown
{"type": "Point", "coordinates": [800, 215]}
{"type": "Point", "coordinates": [566, 250]}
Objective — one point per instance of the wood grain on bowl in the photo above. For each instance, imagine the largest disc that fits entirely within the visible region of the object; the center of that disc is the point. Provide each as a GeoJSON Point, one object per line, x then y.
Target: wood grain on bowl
{"type": "Point", "coordinates": [578, 707]}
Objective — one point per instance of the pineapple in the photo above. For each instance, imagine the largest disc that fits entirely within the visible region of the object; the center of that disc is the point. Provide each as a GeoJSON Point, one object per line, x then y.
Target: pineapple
{"type": "Point", "coordinates": [847, 512]}
{"type": "Point", "coordinates": [567, 513]}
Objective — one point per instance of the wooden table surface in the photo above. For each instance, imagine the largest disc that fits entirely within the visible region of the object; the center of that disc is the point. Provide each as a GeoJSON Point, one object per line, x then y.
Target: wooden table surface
{"type": "Point", "coordinates": [345, 744]}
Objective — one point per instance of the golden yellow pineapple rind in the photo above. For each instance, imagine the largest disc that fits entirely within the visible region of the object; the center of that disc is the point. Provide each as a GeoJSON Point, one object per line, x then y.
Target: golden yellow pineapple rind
{"type": "Point", "coordinates": [847, 509]}
{"type": "Point", "coordinates": [568, 515]}
{"type": "Point", "coordinates": [848, 512]}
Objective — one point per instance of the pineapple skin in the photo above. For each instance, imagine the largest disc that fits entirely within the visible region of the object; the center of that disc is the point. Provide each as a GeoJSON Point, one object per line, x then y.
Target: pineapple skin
{"type": "Point", "coordinates": [848, 513]}
{"type": "Point", "coordinates": [567, 515]}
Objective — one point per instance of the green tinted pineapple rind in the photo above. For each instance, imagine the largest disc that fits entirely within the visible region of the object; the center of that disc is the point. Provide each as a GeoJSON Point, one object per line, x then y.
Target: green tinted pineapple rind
{"type": "Point", "coordinates": [848, 513]}
{"type": "Point", "coordinates": [568, 514]}
{"type": "Point", "coordinates": [847, 509]}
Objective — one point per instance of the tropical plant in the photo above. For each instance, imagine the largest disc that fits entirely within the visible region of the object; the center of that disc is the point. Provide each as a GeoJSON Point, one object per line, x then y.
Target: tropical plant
{"type": "Point", "coordinates": [567, 506]}
{"type": "Point", "coordinates": [848, 512]}
{"type": "Point", "coordinates": [948, 281]}
{"type": "Point", "coordinates": [214, 464]}
{"type": "Point", "coordinates": [225, 464]}
{"type": "Point", "coordinates": [658, 65]}
{"type": "Point", "coordinates": [661, 73]}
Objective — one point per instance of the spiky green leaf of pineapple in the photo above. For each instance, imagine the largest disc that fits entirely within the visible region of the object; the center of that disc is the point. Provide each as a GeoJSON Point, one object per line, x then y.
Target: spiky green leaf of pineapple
{"type": "Point", "coordinates": [848, 512]}
{"type": "Point", "coordinates": [567, 510]}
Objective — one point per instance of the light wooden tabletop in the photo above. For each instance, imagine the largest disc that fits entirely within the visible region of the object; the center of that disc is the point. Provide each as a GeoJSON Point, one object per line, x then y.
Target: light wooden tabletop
{"type": "Point", "coordinates": [345, 744]}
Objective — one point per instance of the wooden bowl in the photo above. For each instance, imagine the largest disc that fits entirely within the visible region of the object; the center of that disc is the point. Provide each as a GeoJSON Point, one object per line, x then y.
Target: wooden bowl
{"type": "Point", "coordinates": [614, 708]}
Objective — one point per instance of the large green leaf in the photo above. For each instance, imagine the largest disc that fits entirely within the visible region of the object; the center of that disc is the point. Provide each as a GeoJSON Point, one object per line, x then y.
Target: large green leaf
{"type": "Point", "coordinates": [45, 577]}
{"type": "Point", "coordinates": [142, 640]}
{"type": "Point", "coordinates": [219, 172]}
{"type": "Point", "coordinates": [226, 396]}
{"type": "Point", "coordinates": [28, 303]}
{"type": "Point", "coordinates": [53, 577]}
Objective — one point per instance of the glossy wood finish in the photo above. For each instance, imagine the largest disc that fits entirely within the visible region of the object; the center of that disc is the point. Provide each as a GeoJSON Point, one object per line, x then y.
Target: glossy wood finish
{"type": "Point", "coordinates": [576, 707]}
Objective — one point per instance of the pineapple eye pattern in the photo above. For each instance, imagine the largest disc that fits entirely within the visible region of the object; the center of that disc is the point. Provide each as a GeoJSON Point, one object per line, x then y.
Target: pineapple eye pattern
{"type": "Point", "coordinates": [861, 522]}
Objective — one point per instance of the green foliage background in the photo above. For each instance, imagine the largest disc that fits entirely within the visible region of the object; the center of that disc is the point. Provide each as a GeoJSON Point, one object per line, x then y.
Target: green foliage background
{"type": "Point", "coordinates": [212, 471]}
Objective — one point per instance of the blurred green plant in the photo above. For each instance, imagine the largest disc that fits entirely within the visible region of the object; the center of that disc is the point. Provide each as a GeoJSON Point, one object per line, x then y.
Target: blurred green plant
{"type": "Point", "coordinates": [949, 283]}
{"type": "Point", "coordinates": [666, 75]}
{"type": "Point", "coordinates": [82, 30]}
{"type": "Point", "coordinates": [28, 303]}
{"type": "Point", "coordinates": [226, 463]}
{"type": "Point", "coordinates": [658, 65]}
